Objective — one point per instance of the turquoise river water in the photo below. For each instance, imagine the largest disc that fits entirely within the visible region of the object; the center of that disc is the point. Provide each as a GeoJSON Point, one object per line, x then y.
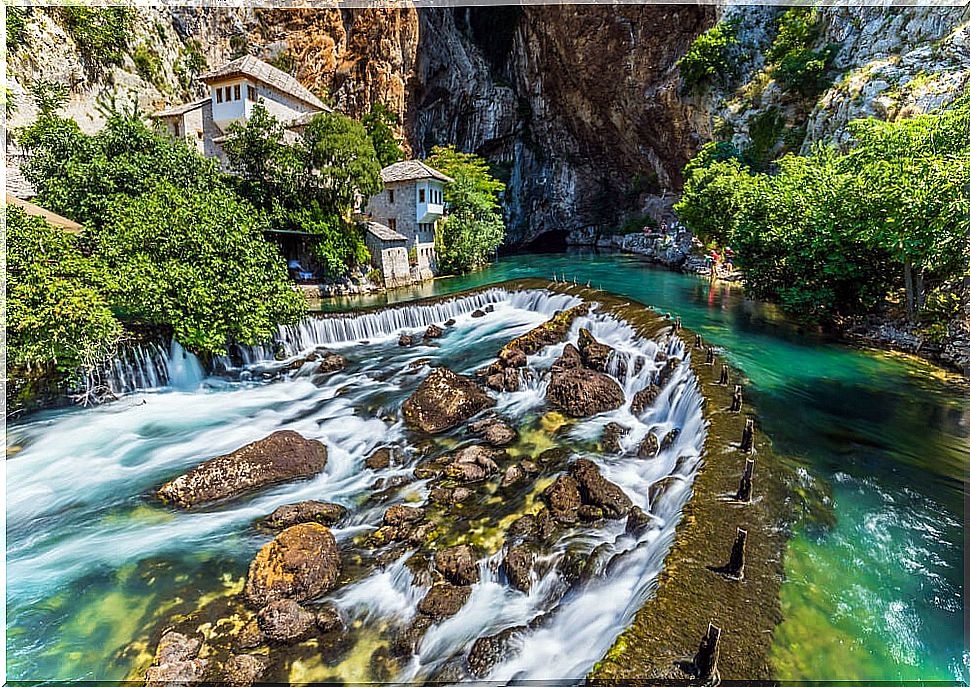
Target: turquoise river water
{"type": "Point", "coordinates": [876, 592]}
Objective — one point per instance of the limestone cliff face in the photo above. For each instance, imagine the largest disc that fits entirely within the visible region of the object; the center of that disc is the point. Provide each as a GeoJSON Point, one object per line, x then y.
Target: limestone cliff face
{"type": "Point", "coordinates": [578, 107]}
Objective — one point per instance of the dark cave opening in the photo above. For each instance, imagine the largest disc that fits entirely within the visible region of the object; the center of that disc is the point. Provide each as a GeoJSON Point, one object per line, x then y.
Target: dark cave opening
{"type": "Point", "coordinates": [553, 241]}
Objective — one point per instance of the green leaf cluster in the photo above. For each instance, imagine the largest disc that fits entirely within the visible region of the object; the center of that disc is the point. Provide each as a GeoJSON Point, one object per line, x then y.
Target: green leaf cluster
{"type": "Point", "coordinates": [380, 123]}
{"type": "Point", "coordinates": [473, 229]}
{"type": "Point", "coordinates": [836, 233]}
{"type": "Point", "coordinates": [709, 58]}
{"type": "Point", "coordinates": [101, 34]}
{"type": "Point", "coordinates": [794, 63]}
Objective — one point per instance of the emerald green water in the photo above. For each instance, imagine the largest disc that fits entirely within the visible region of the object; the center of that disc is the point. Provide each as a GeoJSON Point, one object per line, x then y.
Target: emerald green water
{"type": "Point", "coordinates": [878, 593]}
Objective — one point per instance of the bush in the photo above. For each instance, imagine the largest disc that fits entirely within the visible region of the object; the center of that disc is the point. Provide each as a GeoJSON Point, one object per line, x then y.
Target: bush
{"type": "Point", "coordinates": [148, 64]}
{"type": "Point", "coordinates": [796, 66]}
{"type": "Point", "coordinates": [101, 34]}
{"type": "Point", "coordinates": [16, 23]}
{"type": "Point", "coordinates": [57, 314]}
{"type": "Point", "coordinates": [708, 58]}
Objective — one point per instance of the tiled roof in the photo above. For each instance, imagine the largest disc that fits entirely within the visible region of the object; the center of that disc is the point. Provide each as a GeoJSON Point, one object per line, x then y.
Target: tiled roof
{"type": "Point", "coordinates": [53, 219]}
{"type": "Point", "coordinates": [410, 170]}
{"type": "Point", "coordinates": [178, 110]}
{"type": "Point", "coordinates": [304, 119]}
{"type": "Point", "coordinates": [383, 232]}
{"type": "Point", "coordinates": [268, 74]}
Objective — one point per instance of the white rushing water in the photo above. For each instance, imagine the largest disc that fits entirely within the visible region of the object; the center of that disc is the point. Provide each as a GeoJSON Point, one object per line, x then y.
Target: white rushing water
{"type": "Point", "coordinates": [79, 498]}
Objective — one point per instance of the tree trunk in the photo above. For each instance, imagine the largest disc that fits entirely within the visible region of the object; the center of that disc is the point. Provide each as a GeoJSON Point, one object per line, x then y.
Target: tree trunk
{"type": "Point", "coordinates": [910, 308]}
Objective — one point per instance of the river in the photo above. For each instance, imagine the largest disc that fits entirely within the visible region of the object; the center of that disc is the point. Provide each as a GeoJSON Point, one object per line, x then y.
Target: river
{"type": "Point", "coordinates": [877, 594]}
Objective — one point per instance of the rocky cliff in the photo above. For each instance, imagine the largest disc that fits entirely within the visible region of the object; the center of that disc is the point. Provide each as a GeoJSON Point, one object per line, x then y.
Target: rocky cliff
{"type": "Point", "coordinates": [579, 108]}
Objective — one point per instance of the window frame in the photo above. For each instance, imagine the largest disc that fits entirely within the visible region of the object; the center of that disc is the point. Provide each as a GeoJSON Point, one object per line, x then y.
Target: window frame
{"type": "Point", "coordinates": [421, 195]}
{"type": "Point", "coordinates": [237, 92]}
{"type": "Point", "coordinates": [219, 95]}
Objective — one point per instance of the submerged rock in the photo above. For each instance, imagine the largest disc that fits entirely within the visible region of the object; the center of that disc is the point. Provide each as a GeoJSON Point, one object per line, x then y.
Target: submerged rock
{"type": "Point", "coordinates": [595, 355]}
{"type": "Point", "coordinates": [243, 670]}
{"type": "Point", "coordinates": [444, 400]}
{"type": "Point", "coordinates": [305, 511]}
{"type": "Point", "coordinates": [472, 464]}
{"type": "Point", "coordinates": [281, 456]}
{"type": "Point", "coordinates": [580, 392]}
{"type": "Point", "coordinates": [513, 475]}
{"type": "Point", "coordinates": [457, 564]}
{"type": "Point", "coordinates": [494, 431]}
{"type": "Point", "coordinates": [285, 621]}
{"type": "Point", "coordinates": [301, 563]}
{"type": "Point", "coordinates": [176, 661]}
{"type": "Point", "coordinates": [598, 491]}
{"type": "Point", "coordinates": [444, 600]}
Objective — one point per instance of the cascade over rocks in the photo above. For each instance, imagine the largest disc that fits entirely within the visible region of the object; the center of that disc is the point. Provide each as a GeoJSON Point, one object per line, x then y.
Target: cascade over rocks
{"type": "Point", "coordinates": [305, 511]}
{"type": "Point", "coordinates": [644, 398]}
{"type": "Point", "coordinates": [282, 456]}
{"type": "Point", "coordinates": [301, 563]}
{"type": "Point", "coordinates": [176, 661]}
{"type": "Point", "coordinates": [444, 400]}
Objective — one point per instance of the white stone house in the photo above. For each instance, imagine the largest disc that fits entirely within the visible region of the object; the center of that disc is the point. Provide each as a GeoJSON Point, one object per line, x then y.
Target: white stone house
{"type": "Point", "coordinates": [408, 208]}
{"type": "Point", "coordinates": [234, 89]}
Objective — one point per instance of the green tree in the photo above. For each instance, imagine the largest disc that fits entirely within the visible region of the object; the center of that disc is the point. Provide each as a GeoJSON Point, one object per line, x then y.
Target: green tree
{"type": "Point", "coordinates": [198, 263]}
{"type": "Point", "coordinates": [58, 317]}
{"type": "Point", "coordinates": [716, 184]}
{"type": "Point", "coordinates": [708, 59]}
{"type": "Point", "coordinates": [793, 61]}
{"type": "Point", "coordinates": [258, 154]}
{"type": "Point", "coordinates": [473, 228]}
{"type": "Point", "coordinates": [380, 123]}
{"type": "Point", "coordinates": [339, 160]}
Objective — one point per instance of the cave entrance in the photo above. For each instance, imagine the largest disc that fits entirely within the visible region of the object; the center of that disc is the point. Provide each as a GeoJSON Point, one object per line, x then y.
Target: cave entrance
{"type": "Point", "coordinates": [553, 241]}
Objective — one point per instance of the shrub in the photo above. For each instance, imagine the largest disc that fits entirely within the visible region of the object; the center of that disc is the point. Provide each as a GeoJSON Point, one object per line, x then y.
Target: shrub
{"type": "Point", "coordinates": [101, 34]}
{"type": "Point", "coordinates": [794, 63]}
{"type": "Point", "coordinates": [16, 23]}
{"type": "Point", "coordinates": [708, 58]}
{"type": "Point", "coordinates": [148, 64]}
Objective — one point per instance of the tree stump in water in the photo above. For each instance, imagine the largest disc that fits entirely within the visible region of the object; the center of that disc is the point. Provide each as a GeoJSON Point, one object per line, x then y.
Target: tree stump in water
{"type": "Point", "coordinates": [747, 436]}
{"type": "Point", "coordinates": [736, 400]}
{"type": "Point", "coordinates": [723, 381]}
{"type": "Point", "coordinates": [734, 569]}
{"type": "Point", "coordinates": [705, 661]}
{"type": "Point", "coordinates": [744, 486]}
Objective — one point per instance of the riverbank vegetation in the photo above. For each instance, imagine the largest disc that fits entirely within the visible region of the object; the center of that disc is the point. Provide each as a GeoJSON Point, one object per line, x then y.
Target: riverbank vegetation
{"type": "Point", "coordinates": [473, 229]}
{"type": "Point", "coordinates": [840, 232]}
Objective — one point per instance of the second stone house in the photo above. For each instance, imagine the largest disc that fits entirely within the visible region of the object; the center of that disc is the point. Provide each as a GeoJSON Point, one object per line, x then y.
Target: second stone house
{"type": "Point", "coordinates": [401, 221]}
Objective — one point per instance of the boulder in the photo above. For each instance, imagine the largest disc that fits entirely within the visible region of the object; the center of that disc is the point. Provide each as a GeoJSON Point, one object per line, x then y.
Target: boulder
{"type": "Point", "coordinates": [563, 498]}
{"type": "Point", "coordinates": [644, 398]}
{"type": "Point", "coordinates": [443, 600]}
{"type": "Point", "coordinates": [669, 439]}
{"type": "Point", "coordinates": [503, 380]}
{"type": "Point", "coordinates": [518, 563]}
{"type": "Point", "coordinates": [580, 392]}
{"type": "Point", "coordinates": [460, 494]}
{"type": "Point", "coordinates": [176, 661]}
{"type": "Point", "coordinates": [405, 340]}
{"type": "Point", "coordinates": [637, 521]}
{"type": "Point", "coordinates": [243, 670]}
{"type": "Point", "coordinates": [495, 432]}
{"type": "Point", "coordinates": [405, 642]}
{"type": "Point", "coordinates": [522, 528]}
{"type": "Point", "coordinates": [588, 513]}
{"type": "Point", "coordinates": [301, 563]}
{"type": "Point", "coordinates": [379, 459]}
{"type": "Point", "coordinates": [649, 447]}
{"type": "Point", "coordinates": [596, 490]}
{"type": "Point", "coordinates": [444, 400]}
{"type": "Point", "coordinates": [595, 355]}
{"type": "Point", "coordinates": [568, 360]}
{"type": "Point", "coordinates": [285, 621]}
{"type": "Point", "coordinates": [513, 475]}
{"type": "Point", "coordinates": [513, 356]}
{"type": "Point", "coordinates": [305, 511]}
{"type": "Point", "coordinates": [529, 467]}
{"type": "Point", "coordinates": [472, 464]}
{"type": "Point", "coordinates": [281, 456]}
{"type": "Point", "coordinates": [330, 363]}
{"type": "Point", "coordinates": [478, 313]}
{"type": "Point", "coordinates": [398, 515]}
{"type": "Point", "coordinates": [433, 332]}
{"type": "Point", "coordinates": [613, 432]}
{"type": "Point", "coordinates": [457, 564]}
{"type": "Point", "coordinates": [488, 651]}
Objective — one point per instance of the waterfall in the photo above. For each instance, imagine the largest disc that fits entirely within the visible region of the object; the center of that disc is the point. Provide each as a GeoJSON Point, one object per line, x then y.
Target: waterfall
{"type": "Point", "coordinates": [146, 366]}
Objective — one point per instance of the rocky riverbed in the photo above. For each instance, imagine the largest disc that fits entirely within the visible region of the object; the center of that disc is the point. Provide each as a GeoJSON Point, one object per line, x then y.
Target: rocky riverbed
{"type": "Point", "coordinates": [517, 495]}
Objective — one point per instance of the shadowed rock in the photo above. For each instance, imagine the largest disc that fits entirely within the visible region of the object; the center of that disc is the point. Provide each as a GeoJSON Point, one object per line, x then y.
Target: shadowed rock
{"type": "Point", "coordinates": [563, 499]}
{"type": "Point", "coordinates": [667, 371]}
{"type": "Point", "coordinates": [443, 600]}
{"type": "Point", "coordinates": [243, 670]}
{"type": "Point", "coordinates": [301, 563]}
{"type": "Point", "coordinates": [518, 563]}
{"type": "Point", "coordinates": [444, 400]}
{"type": "Point", "coordinates": [305, 511]}
{"type": "Point", "coordinates": [281, 456]}
{"type": "Point", "coordinates": [581, 392]}
{"type": "Point", "coordinates": [488, 651]}
{"type": "Point", "coordinates": [637, 521]}
{"type": "Point", "coordinates": [595, 355]}
{"type": "Point", "coordinates": [613, 432]}
{"type": "Point", "coordinates": [644, 398]}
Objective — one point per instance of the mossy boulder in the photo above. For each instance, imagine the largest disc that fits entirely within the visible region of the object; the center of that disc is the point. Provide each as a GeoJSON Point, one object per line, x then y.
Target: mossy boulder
{"type": "Point", "coordinates": [579, 392]}
{"type": "Point", "coordinates": [301, 563]}
{"type": "Point", "coordinates": [443, 401]}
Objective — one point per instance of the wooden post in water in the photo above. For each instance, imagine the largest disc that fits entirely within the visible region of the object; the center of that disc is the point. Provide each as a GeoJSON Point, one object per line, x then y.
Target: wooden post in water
{"type": "Point", "coordinates": [698, 341]}
{"type": "Point", "coordinates": [737, 400]}
{"type": "Point", "coordinates": [735, 567]}
{"type": "Point", "coordinates": [705, 660]}
{"type": "Point", "coordinates": [747, 436]}
{"type": "Point", "coordinates": [723, 381]}
{"type": "Point", "coordinates": [744, 486]}
{"type": "Point", "coordinates": [710, 355]}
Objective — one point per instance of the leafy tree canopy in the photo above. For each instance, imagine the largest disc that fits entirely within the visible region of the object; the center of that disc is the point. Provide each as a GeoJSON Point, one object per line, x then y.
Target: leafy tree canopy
{"type": "Point", "coordinates": [380, 123]}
